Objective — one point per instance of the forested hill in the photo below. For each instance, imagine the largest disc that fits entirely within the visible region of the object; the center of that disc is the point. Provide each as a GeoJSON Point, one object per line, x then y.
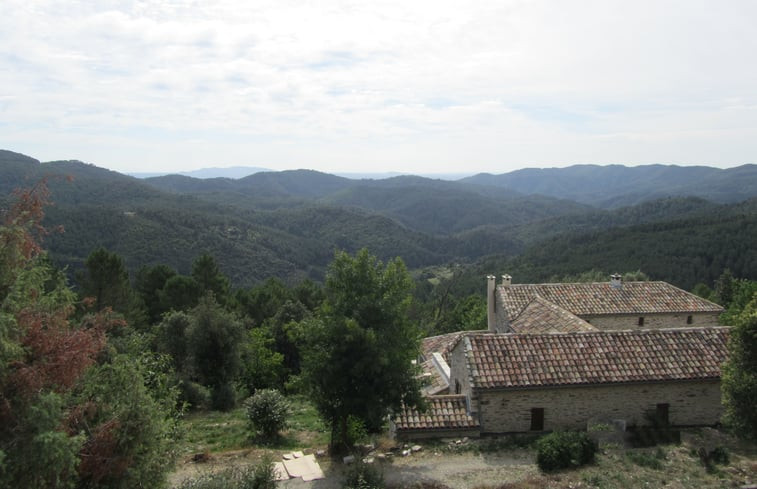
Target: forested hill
{"type": "Point", "coordinates": [615, 186]}
{"type": "Point", "coordinates": [288, 224]}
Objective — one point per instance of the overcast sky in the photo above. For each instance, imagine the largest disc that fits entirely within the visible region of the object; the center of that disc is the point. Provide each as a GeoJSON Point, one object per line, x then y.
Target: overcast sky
{"type": "Point", "coordinates": [411, 86]}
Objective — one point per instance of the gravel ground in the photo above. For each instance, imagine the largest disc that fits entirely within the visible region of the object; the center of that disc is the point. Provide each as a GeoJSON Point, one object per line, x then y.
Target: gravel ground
{"type": "Point", "coordinates": [458, 471]}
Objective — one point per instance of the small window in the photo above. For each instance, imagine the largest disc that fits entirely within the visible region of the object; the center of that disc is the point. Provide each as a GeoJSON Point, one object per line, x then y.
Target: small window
{"type": "Point", "coordinates": [689, 319]}
{"type": "Point", "coordinates": [458, 389]}
{"type": "Point", "coordinates": [641, 320]}
{"type": "Point", "coordinates": [662, 413]}
{"type": "Point", "coordinates": [537, 419]}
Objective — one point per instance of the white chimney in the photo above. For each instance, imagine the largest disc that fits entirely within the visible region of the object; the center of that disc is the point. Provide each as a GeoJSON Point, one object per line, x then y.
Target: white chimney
{"type": "Point", "coordinates": [491, 302]}
{"type": "Point", "coordinates": [506, 280]}
{"type": "Point", "coordinates": [616, 281]}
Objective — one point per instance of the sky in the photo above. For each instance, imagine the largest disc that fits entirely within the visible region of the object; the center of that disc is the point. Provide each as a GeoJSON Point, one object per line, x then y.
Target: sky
{"type": "Point", "coordinates": [410, 86]}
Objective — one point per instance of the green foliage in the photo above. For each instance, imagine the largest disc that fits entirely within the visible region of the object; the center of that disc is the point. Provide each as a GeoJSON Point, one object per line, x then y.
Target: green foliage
{"type": "Point", "coordinates": [180, 293]}
{"type": "Point", "coordinates": [262, 367]}
{"type": "Point", "coordinates": [214, 343]}
{"type": "Point", "coordinates": [148, 284]}
{"type": "Point", "coordinates": [268, 412]}
{"type": "Point", "coordinates": [171, 338]}
{"type": "Point", "coordinates": [565, 449]}
{"type": "Point", "coordinates": [363, 476]}
{"type": "Point", "coordinates": [739, 375]}
{"type": "Point", "coordinates": [359, 363]}
{"type": "Point", "coordinates": [653, 460]}
{"type": "Point", "coordinates": [209, 279]}
{"type": "Point", "coordinates": [131, 430]}
{"type": "Point", "coordinates": [43, 455]}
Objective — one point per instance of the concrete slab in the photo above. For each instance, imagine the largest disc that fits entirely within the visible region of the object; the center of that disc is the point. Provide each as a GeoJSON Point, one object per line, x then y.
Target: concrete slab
{"type": "Point", "coordinates": [305, 467]}
{"type": "Point", "coordinates": [280, 472]}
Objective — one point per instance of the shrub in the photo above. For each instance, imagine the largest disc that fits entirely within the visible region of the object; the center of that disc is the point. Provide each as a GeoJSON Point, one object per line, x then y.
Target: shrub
{"type": "Point", "coordinates": [363, 476]}
{"type": "Point", "coordinates": [267, 411]}
{"type": "Point", "coordinates": [648, 459]}
{"type": "Point", "coordinates": [563, 449]}
{"type": "Point", "coordinates": [263, 476]}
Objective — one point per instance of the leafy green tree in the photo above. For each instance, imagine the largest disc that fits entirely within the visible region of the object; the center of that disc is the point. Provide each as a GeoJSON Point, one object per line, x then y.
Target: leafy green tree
{"type": "Point", "coordinates": [214, 342]}
{"type": "Point", "coordinates": [180, 293]}
{"type": "Point", "coordinates": [360, 363]}
{"type": "Point", "coordinates": [149, 282]}
{"type": "Point", "coordinates": [209, 278]}
{"type": "Point", "coordinates": [739, 382]}
{"type": "Point", "coordinates": [264, 301]}
{"type": "Point", "coordinates": [724, 288]}
{"type": "Point", "coordinates": [262, 367]}
{"type": "Point", "coordinates": [106, 280]}
{"type": "Point", "coordinates": [171, 338]}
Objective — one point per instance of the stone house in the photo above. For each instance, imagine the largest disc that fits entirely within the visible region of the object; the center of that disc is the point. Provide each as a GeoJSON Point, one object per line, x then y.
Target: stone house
{"type": "Point", "coordinates": [558, 356]}
{"type": "Point", "coordinates": [613, 305]}
{"type": "Point", "coordinates": [538, 382]}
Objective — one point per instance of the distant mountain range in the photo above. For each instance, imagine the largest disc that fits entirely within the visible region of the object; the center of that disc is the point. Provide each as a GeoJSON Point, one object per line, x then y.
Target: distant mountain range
{"type": "Point", "coordinates": [227, 172]}
{"type": "Point", "coordinates": [617, 186]}
{"type": "Point", "coordinates": [244, 171]}
{"type": "Point", "coordinates": [289, 223]}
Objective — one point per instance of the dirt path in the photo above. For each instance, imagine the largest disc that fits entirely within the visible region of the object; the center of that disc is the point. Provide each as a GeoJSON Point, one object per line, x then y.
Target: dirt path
{"type": "Point", "coordinates": [457, 471]}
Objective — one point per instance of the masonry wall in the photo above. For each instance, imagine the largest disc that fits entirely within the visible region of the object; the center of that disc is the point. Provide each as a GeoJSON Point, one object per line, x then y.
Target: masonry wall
{"type": "Point", "coordinates": [653, 321]}
{"type": "Point", "coordinates": [691, 404]}
{"type": "Point", "coordinates": [459, 374]}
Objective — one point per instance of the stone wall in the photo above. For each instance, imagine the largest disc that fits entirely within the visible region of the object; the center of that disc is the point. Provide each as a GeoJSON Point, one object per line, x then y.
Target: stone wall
{"type": "Point", "coordinates": [690, 404]}
{"type": "Point", "coordinates": [459, 374]}
{"type": "Point", "coordinates": [653, 321]}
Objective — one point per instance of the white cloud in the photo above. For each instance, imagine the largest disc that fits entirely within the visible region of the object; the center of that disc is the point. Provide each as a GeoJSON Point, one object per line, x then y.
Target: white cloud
{"type": "Point", "coordinates": [348, 85]}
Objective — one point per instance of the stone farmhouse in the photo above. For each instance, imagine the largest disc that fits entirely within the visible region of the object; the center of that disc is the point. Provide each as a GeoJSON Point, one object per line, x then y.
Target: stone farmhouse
{"type": "Point", "coordinates": [559, 356]}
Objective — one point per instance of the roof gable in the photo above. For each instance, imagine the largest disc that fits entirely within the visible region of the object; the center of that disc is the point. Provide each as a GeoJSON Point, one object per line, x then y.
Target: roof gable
{"type": "Point", "coordinates": [540, 360]}
{"type": "Point", "coordinates": [600, 298]}
{"type": "Point", "coordinates": [541, 316]}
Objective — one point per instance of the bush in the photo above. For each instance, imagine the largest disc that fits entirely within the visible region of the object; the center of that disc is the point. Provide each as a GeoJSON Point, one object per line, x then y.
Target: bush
{"type": "Point", "coordinates": [267, 411]}
{"type": "Point", "coordinates": [194, 394]}
{"type": "Point", "coordinates": [563, 449]}
{"type": "Point", "coordinates": [363, 476]}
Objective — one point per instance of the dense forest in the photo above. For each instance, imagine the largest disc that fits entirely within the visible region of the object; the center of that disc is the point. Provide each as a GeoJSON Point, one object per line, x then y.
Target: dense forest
{"type": "Point", "coordinates": [149, 304]}
{"type": "Point", "coordinates": [682, 227]}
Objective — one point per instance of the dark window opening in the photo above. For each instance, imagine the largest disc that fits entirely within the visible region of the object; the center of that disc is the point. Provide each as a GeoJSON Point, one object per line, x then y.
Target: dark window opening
{"type": "Point", "coordinates": [458, 389]}
{"type": "Point", "coordinates": [662, 413]}
{"type": "Point", "coordinates": [641, 321]}
{"type": "Point", "coordinates": [689, 319]}
{"type": "Point", "coordinates": [537, 419]}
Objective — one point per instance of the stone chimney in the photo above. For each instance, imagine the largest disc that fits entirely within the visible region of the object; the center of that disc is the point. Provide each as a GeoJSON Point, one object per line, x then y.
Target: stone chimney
{"type": "Point", "coordinates": [616, 281]}
{"type": "Point", "coordinates": [491, 302]}
{"type": "Point", "coordinates": [506, 280]}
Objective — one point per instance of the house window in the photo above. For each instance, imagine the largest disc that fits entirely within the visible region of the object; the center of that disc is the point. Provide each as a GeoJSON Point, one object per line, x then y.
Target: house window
{"type": "Point", "coordinates": [662, 413]}
{"type": "Point", "coordinates": [689, 319]}
{"type": "Point", "coordinates": [458, 389]}
{"type": "Point", "coordinates": [537, 419]}
{"type": "Point", "coordinates": [641, 320]}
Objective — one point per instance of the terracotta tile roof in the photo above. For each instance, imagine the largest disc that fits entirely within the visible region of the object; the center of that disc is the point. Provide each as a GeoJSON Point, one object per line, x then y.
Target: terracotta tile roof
{"type": "Point", "coordinates": [435, 383]}
{"type": "Point", "coordinates": [533, 360]}
{"type": "Point", "coordinates": [441, 343]}
{"type": "Point", "coordinates": [541, 316]}
{"type": "Point", "coordinates": [443, 413]}
{"type": "Point", "coordinates": [601, 298]}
